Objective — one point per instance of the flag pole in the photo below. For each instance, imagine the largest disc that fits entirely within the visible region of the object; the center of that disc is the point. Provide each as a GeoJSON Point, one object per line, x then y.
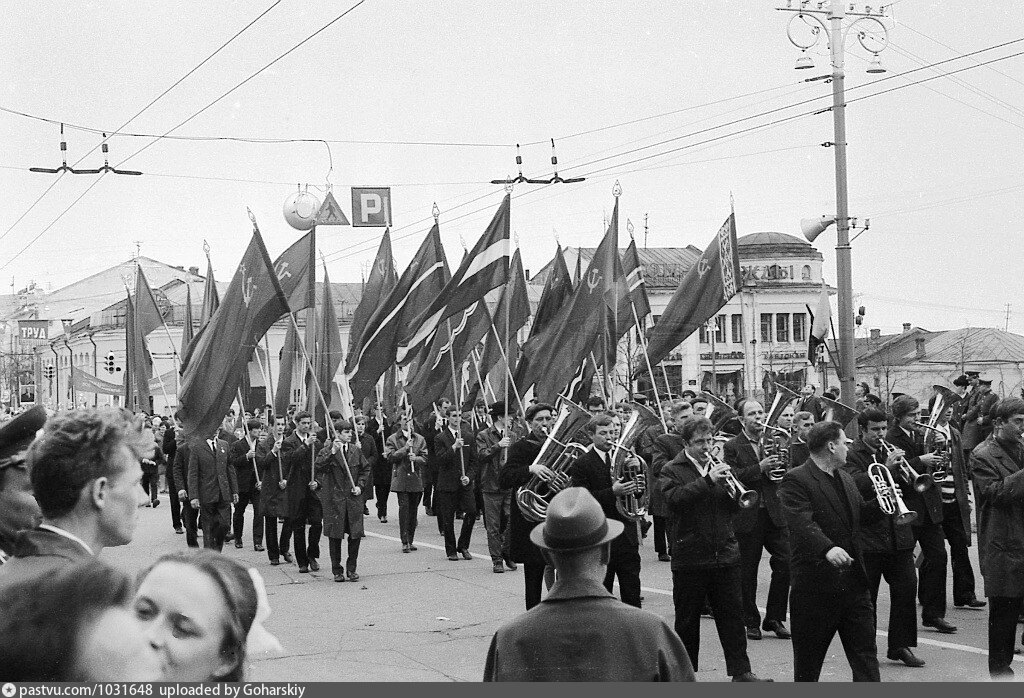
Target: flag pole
{"type": "Point", "coordinates": [245, 425]}
{"type": "Point", "coordinates": [508, 371]}
{"type": "Point", "coordinates": [604, 395]}
{"type": "Point", "coordinates": [476, 368]}
{"type": "Point", "coordinates": [654, 383]}
{"type": "Point", "coordinates": [455, 389]}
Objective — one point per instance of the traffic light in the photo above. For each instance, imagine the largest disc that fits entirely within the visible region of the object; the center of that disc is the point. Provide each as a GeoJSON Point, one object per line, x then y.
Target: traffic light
{"type": "Point", "coordinates": [110, 362]}
{"type": "Point", "coordinates": [49, 371]}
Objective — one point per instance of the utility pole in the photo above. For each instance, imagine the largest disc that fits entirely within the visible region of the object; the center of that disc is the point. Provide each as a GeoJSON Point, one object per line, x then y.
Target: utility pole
{"type": "Point", "coordinates": [1006, 325]}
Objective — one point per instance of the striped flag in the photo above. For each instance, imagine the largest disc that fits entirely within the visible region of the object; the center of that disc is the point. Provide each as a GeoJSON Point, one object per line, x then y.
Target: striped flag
{"type": "Point", "coordinates": [820, 322]}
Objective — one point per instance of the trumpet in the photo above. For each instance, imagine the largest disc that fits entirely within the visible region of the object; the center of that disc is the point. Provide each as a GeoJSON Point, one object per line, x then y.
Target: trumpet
{"type": "Point", "coordinates": [919, 481]}
{"type": "Point", "coordinates": [776, 444]}
{"type": "Point", "coordinates": [747, 499]}
{"type": "Point", "coordinates": [888, 494]}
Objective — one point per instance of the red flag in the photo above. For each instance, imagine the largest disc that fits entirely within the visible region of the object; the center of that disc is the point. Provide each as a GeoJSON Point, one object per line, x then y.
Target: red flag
{"type": "Point", "coordinates": [211, 299]}
{"type": "Point", "coordinates": [706, 288]}
{"type": "Point", "coordinates": [558, 289]}
{"type": "Point", "coordinates": [635, 280]}
{"type": "Point", "coordinates": [188, 330]}
{"type": "Point", "coordinates": [138, 363]}
{"type": "Point", "coordinates": [329, 351]}
{"type": "Point", "coordinates": [382, 281]}
{"type": "Point", "coordinates": [289, 355]}
{"type": "Point", "coordinates": [212, 372]}
{"type": "Point", "coordinates": [484, 268]}
{"type": "Point", "coordinates": [147, 312]}
{"type": "Point", "coordinates": [294, 273]}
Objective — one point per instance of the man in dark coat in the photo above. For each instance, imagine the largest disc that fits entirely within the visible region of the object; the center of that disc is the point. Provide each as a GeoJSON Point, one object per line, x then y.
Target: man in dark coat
{"type": "Point", "coordinates": [242, 455]}
{"type": "Point", "coordinates": [432, 426]}
{"type": "Point", "coordinates": [517, 472]}
{"type": "Point", "coordinates": [705, 554]}
{"type": "Point", "coordinates": [492, 446]}
{"type": "Point", "coordinates": [274, 495]}
{"type": "Point", "coordinates": [19, 510]}
{"type": "Point", "coordinates": [888, 548]}
{"type": "Point", "coordinates": [342, 473]}
{"type": "Point", "coordinates": [212, 489]}
{"type": "Point", "coordinates": [455, 486]}
{"type": "Point", "coordinates": [580, 632]}
{"type": "Point", "coordinates": [367, 442]}
{"type": "Point", "coordinates": [170, 449]}
{"type": "Point", "coordinates": [811, 403]}
{"type": "Point", "coordinates": [830, 593]}
{"type": "Point", "coordinates": [978, 415]}
{"type": "Point", "coordinates": [406, 452]}
{"type": "Point", "coordinates": [189, 516]}
{"type": "Point", "coordinates": [297, 452]}
{"type": "Point", "coordinates": [927, 527]}
{"type": "Point", "coordinates": [665, 448]}
{"type": "Point", "coordinates": [593, 470]}
{"type": "Point", "coordinates": [997, 468]}
{"type": "Point", "coordinates": [762, 527]}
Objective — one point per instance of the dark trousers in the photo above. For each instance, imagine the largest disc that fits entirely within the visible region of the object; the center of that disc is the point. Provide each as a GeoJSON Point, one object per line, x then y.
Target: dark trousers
{"type": "Point", "coordinates": [176, 508]}
{"type": "Point", "coordinates": [931, 588]}
{"type": "Point", "coordinates": [898, 569]}
{"type": "Point", "coordinates": [428, 491]}
{"type": "Point", "coordinates": [497, 514]}
{"type": "Point", "coordinates": [625, 564]}
{"type": "Point", "coordinates": [408, 506]}
{"type": "Point", "coordinates": [190, 518]}
{"type": "Point", "coordinates": [445, 504]}
{"type": "Point", "coordinates": [1002, 634]}
{"type": "Point", "coordinates": [334, 548]}
{"type": "Point", "coordinates": [533, 579]}
{"type": "Point", "coordinates": [963, 574]}
{"type": "Point", "coordinates": [276, 546]}
{"type": "Point", "coordinates": [817, 614]}
{"type": "Point", "coordinates": [306, 550]}
{"type": "Point", "coordinates": [238, 520]}
{"type": "Point", "coordinates": [216, 518]}
{"type": "Point", "coordinates": [721, 586]}
{"type": "Point", "coordinates": [661, 534]}
{"type": "Point", "coordinates": [151, 484]}
{"type": "Point", "coordinates": [775, 539]}
{"type": "Point", "coordinates": [382, 492]}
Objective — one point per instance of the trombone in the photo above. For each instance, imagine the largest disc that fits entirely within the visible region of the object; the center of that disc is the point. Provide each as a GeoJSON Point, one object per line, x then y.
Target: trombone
{"type": "Point", "coordinates": [919, 481]}
{"type": "Point", "coordinates": [744, 497]}
{"type": "Point", "coordinates": [888, 494]}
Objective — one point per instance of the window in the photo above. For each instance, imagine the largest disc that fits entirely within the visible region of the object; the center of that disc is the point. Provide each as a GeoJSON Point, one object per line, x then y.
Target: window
{"type": "Point", "coordinates": [703, 334]}
{"type": "Point", "coordinates": [720, 329]}
{"type": "Point", "coordinates": [782, 328]}
{"type": "Point", "coordinates": [799, 327]}
{"type": "Point", "coordinates": [766, 327]}
{"type": "Point", "coordinates": [737, 329]}
{"type": "Point", "coordinates": [805, 273]}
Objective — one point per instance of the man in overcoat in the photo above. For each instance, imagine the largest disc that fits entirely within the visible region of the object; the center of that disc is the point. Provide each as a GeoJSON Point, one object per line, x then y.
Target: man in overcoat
{"type": "Point", "coordinates": [342, 474]}
{"type": "Point", "coordinates": [406, 452]}
{"type": "Point", "coordinates": [274, 494]}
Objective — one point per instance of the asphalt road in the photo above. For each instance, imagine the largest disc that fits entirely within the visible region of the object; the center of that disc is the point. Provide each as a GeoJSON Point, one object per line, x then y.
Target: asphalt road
{"type": "Point", "coordinates": [421, 617]}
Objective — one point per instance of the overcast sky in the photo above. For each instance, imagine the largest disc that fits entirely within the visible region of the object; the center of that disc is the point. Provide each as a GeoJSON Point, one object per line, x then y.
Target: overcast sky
{"type": "Point", "coordinates": [935, 166]}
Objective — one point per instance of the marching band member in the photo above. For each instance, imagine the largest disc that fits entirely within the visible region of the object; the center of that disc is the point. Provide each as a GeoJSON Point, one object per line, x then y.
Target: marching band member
{"type": "Point", "coordinates": [454, 449]}
{"type": "Point", "coordinates": [927, 526]}
{"type": "Point", "coordinates": [593, 470]}
{"type": "Point", "coordinates": [274, 495]}
{"type": "Point", "coordinates": [705, 555]}
{"type": "Point", "coordinates": [406, 451]}
{"type": "Point", "coordinates": [666, 447]}
{"type": "Point", "coordinates": [997, 468]}
{"type": "Point", "coordinates": [798, 453]}
{"type": "Point", "coordinates": [341, 495]}
{"type": "Point", "coordinates": [297, 451]}
{"type": "Point", "coordinates": [762, 527]}
{"type": "Point", "coordinates": [888, 549]}
{"type": "Point", "coordinates": [491, 447]}
{"type": "Point", "coordinates": [242, 455]}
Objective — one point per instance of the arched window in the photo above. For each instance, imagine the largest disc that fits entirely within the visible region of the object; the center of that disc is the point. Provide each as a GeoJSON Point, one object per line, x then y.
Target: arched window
{"type": "Point", "coordinates": [805, 273]}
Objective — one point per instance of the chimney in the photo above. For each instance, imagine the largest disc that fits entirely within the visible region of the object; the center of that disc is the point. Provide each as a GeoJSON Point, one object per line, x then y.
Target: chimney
{"type": "Point", "coordinates": [527, 272]}
{"type": "Point", "coordinates": [194, 271]}
{"type": "Point", "coordinates": [906, 327]}
{"type": "Point", "coordinates": [919, 346]}
{"type": "Point", "coordinates": [876, 333]}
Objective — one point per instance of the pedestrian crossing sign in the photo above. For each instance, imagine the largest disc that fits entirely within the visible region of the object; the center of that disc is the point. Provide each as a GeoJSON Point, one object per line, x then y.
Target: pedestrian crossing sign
{"type": "Point", "coordinates": [330, 212]}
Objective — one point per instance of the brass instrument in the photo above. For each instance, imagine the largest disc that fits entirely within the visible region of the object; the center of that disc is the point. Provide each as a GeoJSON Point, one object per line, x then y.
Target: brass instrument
{"type": "Point", "coordinates": [919, 481]}
{"type": "Point", "coordinates": [941, 447]}
{"type": "Point", "coordinates": [888, 494]}
{"type": "Point", "coordinates": [747, 499]}
{"type": "Point", "coordinates": [632, 506]}
{"type": "Point", "coordinates": [558, 454]}
{"type": "Point", "coordinates": [775, 442]}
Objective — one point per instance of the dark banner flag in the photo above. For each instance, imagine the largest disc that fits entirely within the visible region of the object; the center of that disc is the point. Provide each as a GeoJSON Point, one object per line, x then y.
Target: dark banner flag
{"type": "Point", "coordinates": [635, 279]}
{"type": "Point", "coordinates": [147, 312]}
{"type": "Point", "coordinates": [706, 288]}
{"type": "Point", "coordinates": [138, 362]}
{"type": "Point", "coordinates": [821, 319]}
{"type": "Point", "coordinates": [381, 282]}
{"type": "Point", "coordinates": [88, 383]}
{"type": "Point", "coordinates": [293, 271]}
{"type": "Point", "coordinates": [211, 299]}
{"type": "Point", "coordinates": [558, 288]}
{"type": "Point", "coordinates": [289, 355]}
{"type": "Point", "coordinates": [213, 371]}
{"type": "Point", "coordinates": [188, 329]}
{"type": "Point", "coordinates": [329, 351]}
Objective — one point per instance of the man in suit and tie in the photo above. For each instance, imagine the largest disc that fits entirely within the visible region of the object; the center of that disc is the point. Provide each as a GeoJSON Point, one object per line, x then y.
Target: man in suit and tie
{"type": "Point", "coordinates": [811, 403]}
{"type": "Point", "coordinates": [212, 488]}
{"type": "Point", "coordinates": [242, 456]}
{"type": "Point", "coordinates": [824, 511]}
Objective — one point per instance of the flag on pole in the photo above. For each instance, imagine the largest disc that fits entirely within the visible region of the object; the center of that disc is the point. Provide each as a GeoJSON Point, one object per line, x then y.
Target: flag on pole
{"type": "Point", "coordinates": [211, 299]}
{"type": "Point", "coordinates": [138, 363]}
{"type": "Point", "coordinates": [88, 383]}
{"type": "Point", "coordinates": [382, 281]}
{"type": "Point", "coordinates": [289, 357]}
{"type": "Point", "coordinates": [820, 322]}
{"type": "Point", "coordinates": [558, 289]}
{"type": "Point", "coordinates": [635, 280]}
{"type": "Point", "coordinates": [212, 373]}
{"type": "Point", "coordinates": [188, 330]}
{"type": "Point", "coordinates": [706, 288]}
{"type": "Point", "coordinates": [328, 353]}
{"type": "Point", "coordinates": [484, 268]}
{"type": "Point", "coordinates": [147, 312]}
{"type": "Point", "coordinates": [418, 286]}
{"type": "Point", "coordinates": [294, 273]}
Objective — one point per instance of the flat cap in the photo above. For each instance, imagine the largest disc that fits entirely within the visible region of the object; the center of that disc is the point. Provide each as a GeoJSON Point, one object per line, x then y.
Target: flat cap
{"type": "Point", "coordinates": [18, 434]}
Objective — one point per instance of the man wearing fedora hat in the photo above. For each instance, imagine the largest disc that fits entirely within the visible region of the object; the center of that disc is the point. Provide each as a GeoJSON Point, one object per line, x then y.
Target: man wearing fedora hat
{"type": "Point", "coordinates": [580, 632]}
{"type": "Point", "coordinates": [18, 508]}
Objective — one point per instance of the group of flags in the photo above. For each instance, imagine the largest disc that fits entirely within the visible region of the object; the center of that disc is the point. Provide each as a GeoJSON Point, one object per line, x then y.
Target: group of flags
{"type": "Point", "coordinates": [427, 333]}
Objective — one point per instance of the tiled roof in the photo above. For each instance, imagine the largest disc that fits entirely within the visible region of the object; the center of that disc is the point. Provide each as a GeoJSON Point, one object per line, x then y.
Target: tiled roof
{"type": "Point", "coordinates": [967, 347]}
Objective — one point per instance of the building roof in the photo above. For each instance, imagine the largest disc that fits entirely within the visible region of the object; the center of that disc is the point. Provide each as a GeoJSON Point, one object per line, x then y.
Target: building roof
{"type": "Point", "coordinates": [664, 267]}
{"type": "Point", "coordinates": [777, 244]}
{"type": "Point", "coordinates": [966, 347]}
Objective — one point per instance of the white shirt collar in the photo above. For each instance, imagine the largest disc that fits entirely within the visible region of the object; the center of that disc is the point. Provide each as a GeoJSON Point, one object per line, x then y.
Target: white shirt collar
{"type": "Point", "coordinates": [702, 469]}
{"type": "Point", "coordinates": [69, 536]}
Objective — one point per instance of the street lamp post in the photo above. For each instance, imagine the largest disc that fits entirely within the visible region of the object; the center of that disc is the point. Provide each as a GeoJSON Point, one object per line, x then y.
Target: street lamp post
{"type": "Point", "coordinates": [836, 34]}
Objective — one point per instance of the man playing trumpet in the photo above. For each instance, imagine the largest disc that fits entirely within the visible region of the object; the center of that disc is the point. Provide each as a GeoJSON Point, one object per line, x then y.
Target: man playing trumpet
{"type": "Point", "coordinates": [888, 548]}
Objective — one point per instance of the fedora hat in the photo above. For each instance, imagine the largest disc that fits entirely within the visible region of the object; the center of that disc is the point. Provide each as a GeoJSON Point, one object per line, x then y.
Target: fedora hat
{"type": "Point", "coordinates": [575, 521]}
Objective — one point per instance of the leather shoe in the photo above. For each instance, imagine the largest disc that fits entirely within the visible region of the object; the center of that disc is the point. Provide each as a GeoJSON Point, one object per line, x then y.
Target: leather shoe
{"type": "Point", "coordinates": [939, 624]}
{"type": "Point", "coordinates": [777, 627]}
{"type": "Point", "coordinates": [412, 547]}
{"type": "Point", "coordinates": [314, 565]}
{"type": "Point", "coordinates": [971, 603]}
{"type": "Point", "coordinates": [753, 633]}
{"type": "Point", "coordinates": [258, 548]}
{"type": "Point", "coordinates": [430, 511]}
{"type": "Point", "coordinates": [750, 676]}
{"type": "Point", "coordinates": [499, 568]}
{"type": "Point", "coordinates": [511, 565]}
{"type": "Point", "coordinates": [353, 577]}
{"type": "Point", "coordinates": [238, 544]}
{"type": "Point", "coordinates": [340, 577]}
{"type": "Point", "coordinates": [383, 519]}
{"type": "Point", "coordinates": [303, 570]}
{"type": "Point", "coordinates": [453, 557]}
{"type": "Point", "coordinates": [664, 557]}
{"type": "Point", "coordinates": [466, 554]}
{"type": "Point", "coordinates": [287, 557]}
{"type": "Point", "coordinates": [275, 563]}
{"type": "Point", "coordinates": [903, 654]}
{"type": "Point", "coordinates": [405, 548]}
{"type": "Point", "coordinates": [229, 537]}
{"type": "Point", "coordinates": [179, 530]}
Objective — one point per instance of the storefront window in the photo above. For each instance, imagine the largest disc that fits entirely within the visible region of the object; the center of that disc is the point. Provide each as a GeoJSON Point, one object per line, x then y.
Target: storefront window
{"type": "Point", "coordinates": [737, 329]}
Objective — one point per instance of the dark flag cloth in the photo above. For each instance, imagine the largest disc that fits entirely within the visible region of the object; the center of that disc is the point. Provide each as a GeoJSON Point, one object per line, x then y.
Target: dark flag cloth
{"type": "Point", "coordinates": [88, 383]}
{"type": "Point", "coordinates": [706, 288]}
{"type": "Point", "coordinates": [555, 355]}
{"type": "Point", "coordinates": [483, 269]}
{"type": "Point", "coordinates": [147, 312]}
{"type": "Point", "coordinates": [418, 286]}
{"type": "Point", "coordinates": [329, 352]}
{"type": "Point", "coordinates": [820, 321]}
{"type": "Point", "coordinates": [381, 282]}
{"type": "Point", "coordinates": [210, 377]}
{"type": "Point", "coordinates": [294, 273]}
{"type": "Point", "coordinates": [558, 289]}
{"type": "Point", "coordinates": [620, 307]}
{"type": "Point", "coordinates": [139, 364]}
{"type": "Point", "coordinates": [289, 357]}
{"type": "Point", "coordinates": [635, 280]}
{"type": "Point", "coordinates": [188, 330]}
{"type": "Point", "coordinates": [719, 412]}
{"type": "Point", "coordinates": [582, 384]}
{"type": "Point", "coordinates": [211, 299]}
{"type": "Point", "coordinates": [837, 412]}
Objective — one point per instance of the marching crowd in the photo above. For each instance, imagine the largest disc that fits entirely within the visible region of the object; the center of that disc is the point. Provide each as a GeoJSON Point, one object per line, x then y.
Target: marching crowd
{"type": "Point", "coordinates": [837, 507]}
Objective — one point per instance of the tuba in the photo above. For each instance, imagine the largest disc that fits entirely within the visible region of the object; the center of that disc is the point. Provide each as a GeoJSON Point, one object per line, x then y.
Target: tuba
{"type": "Point", "coordinates": [919, 481]}
{"type": "Point", "coordinates": [558, 454]}
{"type": "Point", "coordinates": [632, 506]}
{"type": "Point", "coordinates": [888, 494]}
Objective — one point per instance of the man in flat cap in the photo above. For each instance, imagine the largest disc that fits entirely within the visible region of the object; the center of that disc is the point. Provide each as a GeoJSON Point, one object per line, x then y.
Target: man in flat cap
{"type": "Point", "coordinates": [18, 508]}
{"type": "Point", "coordinates": [86, 477]}
{"type": "Point", "coordinates": [580, 632]}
